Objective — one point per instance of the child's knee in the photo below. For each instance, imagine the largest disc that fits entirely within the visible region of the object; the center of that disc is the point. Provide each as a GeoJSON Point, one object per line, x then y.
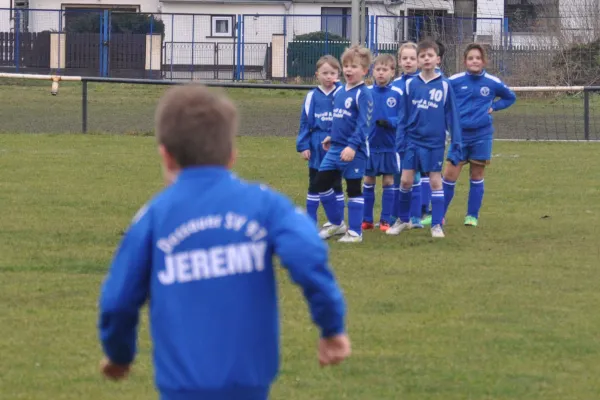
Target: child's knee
{"type": "Point", "coordinates": [387, 180]}
{"type": "Point", "coordinates": [324, 180]}
{"type": "Point", "coordinates": [353, 187]}
{"type": "Point", "coordinates": [477, 171]}
{"type": "Point", "coordinates": [435, 180]}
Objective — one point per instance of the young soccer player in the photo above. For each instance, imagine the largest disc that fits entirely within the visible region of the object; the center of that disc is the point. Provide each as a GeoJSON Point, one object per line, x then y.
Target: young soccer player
{"type": "Point", "coordinates": [425, 184]}
{"type": "Point", "coordinates": [476, 92]}
{"type": "Point", "coordinates": [347, 146]}
{"type": "Point", "coordinates": [200, 253]}
{"type": "Point", "coordinates": [407, 59]}
{"type": "Point", "coordinates": [383, 159]}
{"type": "Point", "coordinates": [429, 112]}
{"type": "Point", "coordinates": [315, 125]}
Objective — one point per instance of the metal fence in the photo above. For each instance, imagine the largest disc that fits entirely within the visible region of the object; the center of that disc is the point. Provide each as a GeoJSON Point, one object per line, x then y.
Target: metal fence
{"type": "Point", "coordinates": [280, 47]}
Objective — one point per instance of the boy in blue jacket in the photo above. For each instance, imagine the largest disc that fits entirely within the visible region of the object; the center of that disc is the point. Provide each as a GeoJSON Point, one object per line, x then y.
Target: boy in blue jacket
{"type": "Point", "coordinates": [478, 95]}
{"type": "Point", "coordinates": [200, 253]}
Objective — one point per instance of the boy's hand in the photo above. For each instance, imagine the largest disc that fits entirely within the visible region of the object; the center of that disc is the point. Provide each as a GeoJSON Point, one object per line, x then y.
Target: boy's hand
{"type": "Point", "coordinates": [326, 143]}
{"type": "Point", "coordinates": [491, 110]}
{"type": "Point", "coordinates": [306, 155]}
{"type": "Point", "coordinates": [334, 350]}
{"type": "Point", "coordinates": [348, 154]}
{"type": "Point", "coordinates": [113, 371]}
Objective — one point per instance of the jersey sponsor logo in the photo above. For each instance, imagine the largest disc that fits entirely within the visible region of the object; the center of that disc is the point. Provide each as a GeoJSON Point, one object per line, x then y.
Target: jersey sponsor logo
{"type": "Point", "coordinates": [348, 102]}
{"type": "Point", "coordinates": [391, 102]}
{"type": "Point", "coordinates": [485, 91]}
{"type": "Point", "coordinates": [326, 116]}
{"type": "Point", "coordinates": [341, 113]}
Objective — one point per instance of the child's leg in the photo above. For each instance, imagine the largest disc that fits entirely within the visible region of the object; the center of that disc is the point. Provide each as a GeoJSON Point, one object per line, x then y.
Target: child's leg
{"type": "Point", "coordinates": [356, 205]}
{"type": "Point", "coordinates": [437, 198]}
{"type": "Point", "coordinates": [339, 194]}
{"type": "Point", "coordinates": [387, 199]}
{"type": "Point", "coordinates": [396, 206]}
{"type": "Point", "coordinates": [451, 175]}
{"type": "Point", "coordinates": [405, 194]}
{"type": "Point", "coordinates": [415, 202]}
{"type": "Point", "coordinates": [312, 198]}
{"type": "Point", "coordinates": [425, 194]}
{"type": "Point", "coordinates": [476, 190]}
{"type": "Point", "coordinates": [324, 184]}
{"type": "Point", "coordinates": [369, 197]}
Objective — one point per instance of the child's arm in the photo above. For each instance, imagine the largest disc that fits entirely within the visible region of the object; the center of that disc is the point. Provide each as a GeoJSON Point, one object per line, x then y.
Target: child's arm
{"type": "Point", "coordinates": [125, 290]}
{"type": "Point", "coordinates": [364, 124]}
{"type": "Point", "coordinates": [453, 124]}
{"type": "Point", "coordinates": [507, 97]}
{"type": "Point", "coordinates": [296, 241]}
{"type": "Point", "coordinates": [303, 139]}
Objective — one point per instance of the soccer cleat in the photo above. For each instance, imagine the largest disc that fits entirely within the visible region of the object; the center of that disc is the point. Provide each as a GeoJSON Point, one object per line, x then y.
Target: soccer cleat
{"type": "Point", "coordinates": [332, 230]}
{"type": "Point", "coordinates": [384, 226]}
{"type": "Point", "coordinates": [437, 231]}
{"type": "Point", "coordinates": [426, 220]}
{"type": "Point", "coordinates": [367, 226]}
{"type": "Point", "coordinates": [415, 223]}
{"type": "Point", "coordinates": [327, 224]}
{"type": "Point", "coordinates": [351, 237]}
{"type": "Point", "coordinates": [470, 221]}
{"type": "Point", "coordinates": [398, 227]}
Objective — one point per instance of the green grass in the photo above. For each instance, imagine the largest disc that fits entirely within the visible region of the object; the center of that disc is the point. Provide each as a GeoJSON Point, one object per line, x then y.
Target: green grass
{"type": "Point", "coordinates": [508, 310]}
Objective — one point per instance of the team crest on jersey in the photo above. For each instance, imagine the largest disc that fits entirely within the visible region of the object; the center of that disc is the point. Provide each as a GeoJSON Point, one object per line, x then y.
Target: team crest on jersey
{"type": "Point", "coordinates": [348, 102]}
{"type": "Point", "coordinates": [485, 91]}
{"type": "Point", "coordinates": [391, 102]}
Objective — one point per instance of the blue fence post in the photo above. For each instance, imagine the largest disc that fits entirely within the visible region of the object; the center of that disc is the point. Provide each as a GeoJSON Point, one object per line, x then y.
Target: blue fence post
{"type": "Point", "coordinates": [172, 41]}
{"type": "Point", "coordinates": [17, 46]}
{"type": "Point", "coordinates": [242, 67]}
{"type": "Point", "coordinates": [372, 35]}
{"type": "Point", "coordinates": [285, 46]}
{"type": "Point", "coordinates": [60, 33]}
{"type": "Point", "coordinates": [239, 48]}
{"type": "Point", "coordinates": [105, 42]}
{"type": "Point", "coordinates": [192, 63]}
{"type": "Point", "coordinates": [326, 35]}
{"type": "Point", "coordinates": [151, 47]}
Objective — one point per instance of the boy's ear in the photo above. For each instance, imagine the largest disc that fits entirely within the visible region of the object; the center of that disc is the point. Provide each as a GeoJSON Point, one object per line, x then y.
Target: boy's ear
{"type": "Point", "coordinates": [232, 159]}
{"type": "Point", "coordinates": [167, 159]}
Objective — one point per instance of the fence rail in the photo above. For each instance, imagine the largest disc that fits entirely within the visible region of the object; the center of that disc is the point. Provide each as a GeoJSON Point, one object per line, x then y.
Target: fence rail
{"type": "Point", "coordinates": [272, 47]}
{"type": "Point", "coordinates": [567, 113]}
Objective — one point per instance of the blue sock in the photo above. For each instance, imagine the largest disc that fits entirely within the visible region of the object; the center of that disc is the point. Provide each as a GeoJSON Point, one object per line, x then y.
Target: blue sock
{"type": "Point", "coordinates": [369, 202]}
{"type": "Point", "coordinates": [387, 203]}
{"type": "Point", "coordinates": [405, 197]}
{"type": "Point", "coordinates": [396, 206]}
{"type": "Point", "coordinates": [475, 198]}
{"type": "Point", "coordinates": [331, 207]}
{"type": "Point", "coordinates": [356, 206]}
{"type": "Point", "coordinates": [425, 195]}
{"type": "Point", "coordinates": [312, 205]}
{"type": "Point", "coordinates": [415, 202]}
{"type": "Point", "coordinates": [437, 207]}
{"type": "Point", "coordinates": [339, 196]}
{"type": "Point", "coordinates": [448, 193]}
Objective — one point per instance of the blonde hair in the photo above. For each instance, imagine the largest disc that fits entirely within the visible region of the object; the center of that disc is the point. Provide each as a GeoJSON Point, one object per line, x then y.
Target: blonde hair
{"type": "Point", "coordinates": [331, 60]}
{"type": "Point", "coordinates": [197, 126]}
{"type": "Point", "coordinates": [407, 45]}
{"type": "Point", "coordinates": [357, 51]}
{"type": "Point", "coordinates": [386, 59]}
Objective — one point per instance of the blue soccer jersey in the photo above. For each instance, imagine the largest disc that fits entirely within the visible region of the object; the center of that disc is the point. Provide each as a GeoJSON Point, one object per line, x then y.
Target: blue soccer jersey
{"type": "Point", "coordinates": [475, 94]}
{"type": "Point", "coordinates": [352, 118]}
{"type": "Point", "coordinates": [429, 112]}
{"type": "Point", "coordinates": [315, 124]}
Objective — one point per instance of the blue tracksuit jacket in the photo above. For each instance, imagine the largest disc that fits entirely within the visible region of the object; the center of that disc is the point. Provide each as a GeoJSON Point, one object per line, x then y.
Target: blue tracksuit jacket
{"type": "Point", "coordinates": [200, 253]}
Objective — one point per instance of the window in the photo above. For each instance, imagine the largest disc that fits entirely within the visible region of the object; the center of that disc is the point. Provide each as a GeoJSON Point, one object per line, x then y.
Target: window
{"type": "Point", "coordinates": [222, 25]}
{"type": "Point", "coordinates": [532, 16]}
{"type": "Point", "coordinates": [338, 20]}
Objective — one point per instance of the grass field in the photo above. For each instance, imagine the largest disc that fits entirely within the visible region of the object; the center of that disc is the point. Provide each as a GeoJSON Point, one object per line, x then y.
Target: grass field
{"type": "Point", "coordinates": [508, 310]}
{"type": "Point", "coordinates": [27, 106]}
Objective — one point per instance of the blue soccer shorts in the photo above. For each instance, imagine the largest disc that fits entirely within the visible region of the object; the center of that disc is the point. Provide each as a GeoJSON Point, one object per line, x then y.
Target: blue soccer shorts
{"type": "Point", "coordinates": [354, 169]}
{"type": "Point", "coordinates": [477, 152]}
{"type": "Point", "coordinates": [317, 152]}
{"type": "Point", "coordinates": [423, 159]}
{"type": "Point", "coordinates": [383, 164]}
